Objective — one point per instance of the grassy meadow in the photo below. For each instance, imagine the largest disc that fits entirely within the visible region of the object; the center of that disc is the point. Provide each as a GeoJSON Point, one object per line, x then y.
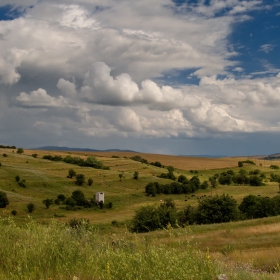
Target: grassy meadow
{"type": "Point", "coordinates": [241, 250]}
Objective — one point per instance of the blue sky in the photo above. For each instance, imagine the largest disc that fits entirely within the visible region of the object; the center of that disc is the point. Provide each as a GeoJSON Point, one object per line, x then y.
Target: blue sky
{"type": "Point", "coordinates": [177, 77]}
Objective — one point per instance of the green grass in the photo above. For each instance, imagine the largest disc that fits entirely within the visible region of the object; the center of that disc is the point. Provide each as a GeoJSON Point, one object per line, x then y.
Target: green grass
{"type": "Point", "coordinates": [251, 241]}
{"type": "Point", "coordinates": [57, 252]}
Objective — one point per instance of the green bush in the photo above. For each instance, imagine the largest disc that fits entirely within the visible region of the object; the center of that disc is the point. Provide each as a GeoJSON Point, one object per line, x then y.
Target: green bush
{"type": "Point", "coordinates": [20, 151]}
{"type": "Point", "coordinates": [71, 173]}
{"type": "Point", "coordinates": [217, 209]}
{"type": "Point", "coordinates": [80, 179]}
{"type": "Point", "coordinates": [151, 217]}
{"type": "Point", "coordinates": [4, 201]}
{"type": "Point", "coordinates": [30, 207]}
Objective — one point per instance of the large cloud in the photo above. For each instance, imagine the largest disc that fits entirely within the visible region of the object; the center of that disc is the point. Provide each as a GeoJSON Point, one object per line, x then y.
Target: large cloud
{"type": "Point", "coordinates": [91, 68]}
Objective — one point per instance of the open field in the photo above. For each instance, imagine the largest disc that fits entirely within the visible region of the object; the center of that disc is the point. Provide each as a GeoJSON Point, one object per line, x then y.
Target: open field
{"type": "Point", "coordinates": [254, 241]}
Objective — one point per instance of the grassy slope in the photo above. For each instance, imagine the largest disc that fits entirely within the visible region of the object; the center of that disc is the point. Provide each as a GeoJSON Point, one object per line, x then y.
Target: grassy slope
{"type": "Point", "coordinates": [45, 179]}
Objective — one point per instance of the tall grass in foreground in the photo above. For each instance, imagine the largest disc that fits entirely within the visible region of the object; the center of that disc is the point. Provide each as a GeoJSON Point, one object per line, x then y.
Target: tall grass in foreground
{"type": "Point", "coordinates": [56, 251]}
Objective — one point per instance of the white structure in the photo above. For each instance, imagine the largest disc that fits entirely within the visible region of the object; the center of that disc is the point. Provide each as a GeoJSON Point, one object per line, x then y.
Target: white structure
{"type": "Point", "coordinates": [99, 196]}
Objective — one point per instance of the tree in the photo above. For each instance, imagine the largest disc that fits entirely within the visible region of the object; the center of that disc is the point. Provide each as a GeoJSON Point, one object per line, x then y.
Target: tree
{"type": "Point", "coordinates": [71, 173]}
{"type": "Point", "coordinates": [79, 197]}
{"type": "Point", "coordinates": [20, 151]}
{"type": "Point", "coordinates": [17, 178]}
{"type": "Point", "coordinates": [30, 207]}
{"type": "Point", "coordinates": [101, 204]}
{"type": "Point", "coordinates": [61, 197]}
{"type": "Point", "coordinates": [35, 155]}
{"type": "Point", "coordinates": [240, 164]}
{"type": "Point", "coordinates": [257, 207]}
{"type": "Point", "coordinates": [148, 218]}
{"type": "Point", "coordinates": [120, 175]}
{"type": "Point", "coordinates": [48, 202]}
{"type": "Point", "coordinates": [14, 212]}
{"type": "Point", "coordinates": [136, 175]}
{"type": "Point", "coordinates": [90, 181]}
{"type": "Point", "coordinates": [80, 179]}
{"type": "Point", "coordinates": [217, 209]}
{"type": "Point", "coordinates": [3, 200]}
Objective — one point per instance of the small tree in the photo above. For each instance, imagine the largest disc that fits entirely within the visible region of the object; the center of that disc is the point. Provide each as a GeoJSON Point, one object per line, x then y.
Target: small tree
{"type": "Point", "coordinates": [136, 175]}
{"type": "Point", "coordinates": [30, 207]}
{"type": "Point", "coordinates": [90, 181]}
{"type": "Point", "coordinates": [240, 164]}
{"type": "Point", "coordinates": [79, 197]}
{"type": "Point", "coordinates": [120, 175]}
{"type": "Point", "coordinates": [101, 204]}
{"type": "Point", "coordinates": [48, 202]}
{"type": "Point", "coordinates": [20, 151]}
{"type": "Point", "coordinates": [34, 155]}
{"type": "Point", "coordinates": [14, 212]}
{"type": "Point", "coordinates": [80, 179]}
{"type": "Point", "coordinates": [17, 178]}
{"type": "Point", "coordinates": [71, 173]}
{"type": "Point", "coordinates": [61, 197]}
{"type": "Point", "coordinates": [3, 200]}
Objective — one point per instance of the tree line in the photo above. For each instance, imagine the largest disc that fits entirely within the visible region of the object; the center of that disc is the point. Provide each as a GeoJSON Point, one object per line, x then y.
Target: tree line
{"type": "Point", "coordinates": [216, 209]}
{"type": "Point", "coordinates": [89, 162]}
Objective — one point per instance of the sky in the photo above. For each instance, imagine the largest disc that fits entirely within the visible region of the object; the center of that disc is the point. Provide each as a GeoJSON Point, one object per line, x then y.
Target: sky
{"type": "Point", "coordinates": [178, 77]}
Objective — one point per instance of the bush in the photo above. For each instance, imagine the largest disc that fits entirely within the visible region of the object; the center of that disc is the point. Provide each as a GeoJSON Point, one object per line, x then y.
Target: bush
{"type": "Point", "coordinates": [136, 175]}
{"type": "Point", "coordinates": [257, 207]}
{"type": "Point", "coordinates": [149, 218]}
{"type": "Point", "coordinates": [3, 200]}
{"type": "Point", "coordinates": [110, 205]}
{"type": "Point", "coordinates": [14, 212]}
{"type": "Point", "coordinates": [48, 202]}
{"type": "Point", "coordinates": [240, 164]}
{"type": "Point", "coordinates": [61, 197]}
{"type": "Point", "coordinates": [71, 173]}
{"type": "Point", "coordinates": [5, 155]}
{"type": "Point", "coordinates": [217, 209]}
{"type": "Point", "coordinates": [70, 202]}
{"type": "Point", "coordinates": [78, 223]}
{"type": "Point", "coordinates": [90, 181]}
{"type": "Point", "coordinates": [101, 204]}
{"type": "Point", "coordinates": [30, 207]}
{"type": "Point", "coordinates": [34, 155]}
{"type": "Point", "coordinates": [274, 166]}
{"type": "Point", "coordinates": [79, 197]}
{"type": "Point", "coordinates": [20, 151]}
{"type": "Point", "coordinates": [80, 179]}
{"type": "Point", "coordinates": [17, 178]}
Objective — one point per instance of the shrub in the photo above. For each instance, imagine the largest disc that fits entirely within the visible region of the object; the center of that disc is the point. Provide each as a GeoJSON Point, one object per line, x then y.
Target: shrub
{"type": "Point", "coordinates": [30, 207]}
{"type": "Point", "coordinates": [48, 202]}
{"type": "Point", "coordinates": [20, 151]}
{"type": "Point", "coordinates": [257, 207]}
{"type": "Point", "coordinates": [14, 212]}
{"type": "Point", "coordinates": [101, 204]}
{"type": "Point", "coordinates": [17, 178]}
{"type": "Point", "coordinates": [34, 155]}
{"type": "Point", "coordinates": [71, 173]}
{"type": "Point", "coordinates": [136, 175]}
{"type": "Point", "coordinates": [240, 164]}
{"type": "Point", "coordinates": [79, 197]}
{"type": "Point", "coordinates": [149, 218]}
{"type": "Point", "coordinates": [61, 197]}
{"type": "Point", "coordinates": [78, 223]}
{"type": "Point", "coordinates": [90, 181]}
{"type": "Point", "coordinates": [80, 179]}
{"type": "Point", "coordinates": [110, 205]}
{"type": "Point", "coordinates": [5, 155]}
{"type": "Point", "coordinates": [3, 200]}
{"type": "Point", "coordinates": [217, 209]}
{"type": "Point", "coordinates": [274, 166]}
{"type": "Point", "coordinates": [70, 202]}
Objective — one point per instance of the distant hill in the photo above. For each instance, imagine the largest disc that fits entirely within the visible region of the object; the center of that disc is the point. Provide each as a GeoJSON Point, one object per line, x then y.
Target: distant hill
{"type": "Point", "coordinates": [273, 156]}
{"type": "Point", "coordinates": [56, 148]}
{"type": "Point", "coordinates": [205, 156]}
